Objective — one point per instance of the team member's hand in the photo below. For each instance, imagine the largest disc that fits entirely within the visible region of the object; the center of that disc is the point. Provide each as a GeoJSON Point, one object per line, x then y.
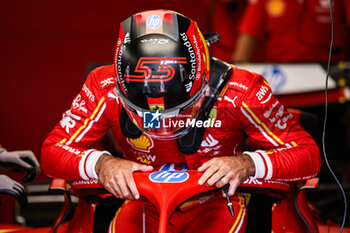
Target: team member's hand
{"type": "Point", "coordinates": [11, 187]}
{"type": "Point", "coordinates": [232, 170]}
{"type": "Point", "coordinates": [25, 160]}
{"type": "Point", "coordinates": [115, 174]}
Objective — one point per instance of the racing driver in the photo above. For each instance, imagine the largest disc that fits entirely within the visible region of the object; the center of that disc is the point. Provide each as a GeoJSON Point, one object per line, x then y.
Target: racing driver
{"type": "Point", "coordinates": [172, 106]}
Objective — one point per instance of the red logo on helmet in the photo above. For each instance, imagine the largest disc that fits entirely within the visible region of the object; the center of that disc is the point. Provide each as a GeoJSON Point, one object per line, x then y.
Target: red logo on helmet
{"type": "Point", "coordinates": [165, 71]}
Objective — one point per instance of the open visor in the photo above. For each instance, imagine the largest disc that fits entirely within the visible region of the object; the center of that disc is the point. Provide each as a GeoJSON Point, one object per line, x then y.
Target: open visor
{"type": "Point", "coordinates": [166, 124]}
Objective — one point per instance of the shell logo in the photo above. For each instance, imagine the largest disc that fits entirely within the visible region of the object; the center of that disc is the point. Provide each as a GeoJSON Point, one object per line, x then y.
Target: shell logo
{"type": "Point", "coordinates": [143, 143]}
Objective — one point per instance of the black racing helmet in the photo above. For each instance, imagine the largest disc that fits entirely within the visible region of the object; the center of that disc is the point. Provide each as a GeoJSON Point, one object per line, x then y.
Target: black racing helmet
{"type": "Point", "coordinates": [162, 67]}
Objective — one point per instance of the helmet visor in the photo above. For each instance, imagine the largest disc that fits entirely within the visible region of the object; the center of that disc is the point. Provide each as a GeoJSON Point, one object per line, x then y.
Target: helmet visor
{"type": "Point", "coordinates": [166, 124]}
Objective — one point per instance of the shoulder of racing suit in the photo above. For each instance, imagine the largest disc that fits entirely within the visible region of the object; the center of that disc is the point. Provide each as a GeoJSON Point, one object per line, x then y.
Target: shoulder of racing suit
{"type": "Point", "coordinates": [243, 85]}
{"type": "Point", "coordinates": [104, 77]}
{"type": "Point", "coordinates": [280, 148]}
{"type": "Point", "coordinates": [242, 81]}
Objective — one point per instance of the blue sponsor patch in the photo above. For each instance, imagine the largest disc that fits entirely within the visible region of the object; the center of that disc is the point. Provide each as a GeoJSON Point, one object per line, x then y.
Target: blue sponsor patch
{"type": "Point", "coordinates": [169, 177]}
{"type": "Point", "coordinates": [154, 21]}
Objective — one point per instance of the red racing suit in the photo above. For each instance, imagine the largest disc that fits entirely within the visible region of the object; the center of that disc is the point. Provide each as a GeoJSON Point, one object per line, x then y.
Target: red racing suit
{"type": "Point", "coordinates": [250, 116]}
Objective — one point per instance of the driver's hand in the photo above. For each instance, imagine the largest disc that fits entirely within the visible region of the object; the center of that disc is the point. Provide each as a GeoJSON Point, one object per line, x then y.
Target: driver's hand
{"type": "Point", "coordinates": [232, 170]}
{"type": "Point", "coordinates": [115, 174]}
{"type": "Point", "coordinates": [25, 160]}
{"type": "Point", "coordinates": [11, 187]}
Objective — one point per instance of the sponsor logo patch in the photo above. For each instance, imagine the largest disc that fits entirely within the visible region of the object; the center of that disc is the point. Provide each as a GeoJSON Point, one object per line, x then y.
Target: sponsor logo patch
{"type": "Point", "coordinates": [79, 104]}
{"type": "Point", "coordinates": [263, 94]}
{"type": "Point", "coordinates": [169, 177]}
{"type": "Point", "coordinates": [108, 82]}
{"type": "Point", "coordinates": [143, 143]}
{"type": "Point", "coordinates": [154, 22]}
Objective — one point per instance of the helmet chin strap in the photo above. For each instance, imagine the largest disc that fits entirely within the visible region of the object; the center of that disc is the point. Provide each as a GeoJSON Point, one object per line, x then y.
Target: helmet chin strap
{"type": "Point", "coordinates": [188, 144]}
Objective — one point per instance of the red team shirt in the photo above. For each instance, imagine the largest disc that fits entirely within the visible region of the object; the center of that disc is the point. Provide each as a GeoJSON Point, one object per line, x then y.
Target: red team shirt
{"type": "Point", "coordinates": [297, 30]}
{"type": "Point", "coordinates": [224, 17]}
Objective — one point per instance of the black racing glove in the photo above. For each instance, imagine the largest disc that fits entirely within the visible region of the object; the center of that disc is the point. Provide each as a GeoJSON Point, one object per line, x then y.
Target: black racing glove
{"type": "Point", "coordinates": [13, 188]}
{"type": "Point", "coordinates": [23, 160]}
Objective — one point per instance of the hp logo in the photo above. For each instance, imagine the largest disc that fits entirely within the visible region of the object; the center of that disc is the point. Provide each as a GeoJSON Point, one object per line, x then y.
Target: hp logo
{"type": "Point", "coordinates": [169, 177]}
{"type": "Point", "coordinates": [154, 21]}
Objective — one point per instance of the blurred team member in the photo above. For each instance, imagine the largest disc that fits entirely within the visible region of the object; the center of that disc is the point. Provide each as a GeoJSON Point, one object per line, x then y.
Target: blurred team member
{"type": "Point", "coordinates": [223, 17]}
{"type": "Point", "coordinates": [293, 30]}
{"type": "Point", "coordinates": [22, 160]}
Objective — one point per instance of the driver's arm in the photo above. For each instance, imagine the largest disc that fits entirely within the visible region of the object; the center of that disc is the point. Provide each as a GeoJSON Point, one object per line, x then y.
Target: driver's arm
{"type": "Point", "coordinates": [281, 149]}
{"type": "Point", "coordinates": [70, 150]}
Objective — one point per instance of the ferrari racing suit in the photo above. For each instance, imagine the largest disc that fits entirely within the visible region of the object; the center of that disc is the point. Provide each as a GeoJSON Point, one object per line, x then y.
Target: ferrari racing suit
{"type": "Point", "coordinates": [246, 115]}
